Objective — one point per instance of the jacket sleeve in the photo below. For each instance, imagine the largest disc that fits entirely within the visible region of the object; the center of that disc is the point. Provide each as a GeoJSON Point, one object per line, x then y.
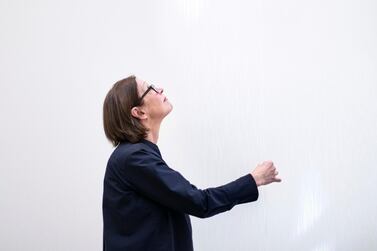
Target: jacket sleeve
{"type": "Point", "coordinates": [153, 178]}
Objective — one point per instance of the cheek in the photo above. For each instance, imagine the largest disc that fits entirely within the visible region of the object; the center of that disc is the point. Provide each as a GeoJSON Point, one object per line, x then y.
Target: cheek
{"type": "Point", "coordinates": [156, 105]}
{"type": "Point", "coordinates": [156, 102]}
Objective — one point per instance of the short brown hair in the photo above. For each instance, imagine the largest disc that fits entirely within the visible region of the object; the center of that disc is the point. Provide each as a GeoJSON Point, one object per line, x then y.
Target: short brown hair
{"type": "Point", "coordinates": [118, 123]}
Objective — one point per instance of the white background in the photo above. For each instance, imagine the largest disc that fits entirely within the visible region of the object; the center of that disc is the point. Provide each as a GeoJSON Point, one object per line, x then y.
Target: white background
{"type": "Point", "coordinates": [293, 81]}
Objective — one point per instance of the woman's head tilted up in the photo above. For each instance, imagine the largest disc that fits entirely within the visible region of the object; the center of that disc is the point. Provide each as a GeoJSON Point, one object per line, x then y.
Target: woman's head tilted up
{"type": "Point", "coordinates": [134, 109]}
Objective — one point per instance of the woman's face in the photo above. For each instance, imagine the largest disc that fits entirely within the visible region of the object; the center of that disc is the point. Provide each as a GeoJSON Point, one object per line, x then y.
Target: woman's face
{"type": "Point", "coordinates": [156, 105]}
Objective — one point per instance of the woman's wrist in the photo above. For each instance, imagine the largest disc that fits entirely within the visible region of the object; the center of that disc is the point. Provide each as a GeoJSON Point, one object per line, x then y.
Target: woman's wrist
{"type": "Point", "coordinates": [256, 179]}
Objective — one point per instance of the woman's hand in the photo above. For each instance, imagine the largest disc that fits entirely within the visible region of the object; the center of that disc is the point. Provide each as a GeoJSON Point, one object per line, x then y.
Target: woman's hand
{"type": "Point", "coordinates": [265, 173]}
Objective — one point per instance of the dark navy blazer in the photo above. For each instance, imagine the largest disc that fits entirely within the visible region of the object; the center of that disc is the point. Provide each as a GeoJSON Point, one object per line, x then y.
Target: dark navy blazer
{"type": "Point", "coordinates": [146, 203]}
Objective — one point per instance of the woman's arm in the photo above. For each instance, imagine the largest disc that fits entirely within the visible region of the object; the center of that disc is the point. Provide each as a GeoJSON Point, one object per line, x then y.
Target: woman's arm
{"type": "Point", "coordinates": [153, 178]}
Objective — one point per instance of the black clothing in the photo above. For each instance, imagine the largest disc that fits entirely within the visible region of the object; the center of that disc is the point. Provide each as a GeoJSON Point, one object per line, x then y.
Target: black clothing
{"type": "Point", "coordinates": [146, 203]}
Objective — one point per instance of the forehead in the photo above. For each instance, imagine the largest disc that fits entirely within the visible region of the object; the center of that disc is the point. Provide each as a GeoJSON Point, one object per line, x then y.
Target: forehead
{"type": "Point", "coordinates": [141, 84]}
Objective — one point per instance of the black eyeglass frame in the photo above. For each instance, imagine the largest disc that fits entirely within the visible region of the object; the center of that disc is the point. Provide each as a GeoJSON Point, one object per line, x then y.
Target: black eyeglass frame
{"type": "Point", "coordinates": [150, 87]}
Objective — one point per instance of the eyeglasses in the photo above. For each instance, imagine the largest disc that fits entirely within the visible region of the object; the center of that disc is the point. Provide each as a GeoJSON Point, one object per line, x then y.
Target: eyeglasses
{"type": "Point", "coordinates": [150, 87]}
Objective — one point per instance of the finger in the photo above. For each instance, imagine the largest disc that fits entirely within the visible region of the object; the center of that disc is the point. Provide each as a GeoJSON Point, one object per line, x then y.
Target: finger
{"type": "Point", "coordinates": [268, 163]}
{"type": "Point", "coordinates": [277, 179]}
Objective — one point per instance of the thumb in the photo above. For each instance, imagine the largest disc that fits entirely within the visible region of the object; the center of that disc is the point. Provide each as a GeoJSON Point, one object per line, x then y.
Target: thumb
{"type": "Point", "coordinates": [277, 179]}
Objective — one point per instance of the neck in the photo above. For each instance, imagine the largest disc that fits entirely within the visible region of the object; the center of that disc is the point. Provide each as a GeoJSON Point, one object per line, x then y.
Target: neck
{"type": "Point", "coordinates": [154, 129]}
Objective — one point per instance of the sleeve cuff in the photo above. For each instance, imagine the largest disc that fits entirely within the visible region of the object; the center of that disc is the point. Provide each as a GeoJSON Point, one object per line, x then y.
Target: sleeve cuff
{"type": "Point", "coordinates": [243, 190]}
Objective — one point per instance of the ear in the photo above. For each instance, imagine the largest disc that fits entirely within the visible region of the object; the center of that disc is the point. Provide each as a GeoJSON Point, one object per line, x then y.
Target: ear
{"type": "Point", "coordinates": [137, 112]}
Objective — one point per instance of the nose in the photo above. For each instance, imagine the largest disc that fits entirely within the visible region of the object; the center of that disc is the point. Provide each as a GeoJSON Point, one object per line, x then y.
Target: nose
{"type": "Point", "coordinates": [160, 90]}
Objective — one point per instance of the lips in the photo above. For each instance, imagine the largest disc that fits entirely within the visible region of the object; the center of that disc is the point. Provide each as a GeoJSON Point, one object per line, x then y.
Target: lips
{"type": "Point", "coordinates": [165, 99]}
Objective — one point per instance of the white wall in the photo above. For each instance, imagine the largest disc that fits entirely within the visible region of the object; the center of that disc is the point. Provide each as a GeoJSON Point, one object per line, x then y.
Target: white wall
{"type": "Point", "coordinates": [290, 81]}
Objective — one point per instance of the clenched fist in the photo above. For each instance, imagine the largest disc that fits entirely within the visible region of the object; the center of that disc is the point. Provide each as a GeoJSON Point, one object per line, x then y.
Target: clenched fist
{"type": "Point", "coordinates": [265, 173]}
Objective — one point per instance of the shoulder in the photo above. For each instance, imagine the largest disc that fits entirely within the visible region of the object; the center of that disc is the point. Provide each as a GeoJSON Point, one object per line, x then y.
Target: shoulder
{"type": "Point", "coordinates": [126, 152]}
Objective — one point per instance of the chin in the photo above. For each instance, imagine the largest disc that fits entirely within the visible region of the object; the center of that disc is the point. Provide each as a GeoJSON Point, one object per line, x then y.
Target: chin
{"type": "Point", "coordinates": [168, 110]}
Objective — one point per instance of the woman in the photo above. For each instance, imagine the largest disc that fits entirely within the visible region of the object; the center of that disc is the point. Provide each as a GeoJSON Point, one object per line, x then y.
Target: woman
{"type": "Point", "coordinates": [146, 203]}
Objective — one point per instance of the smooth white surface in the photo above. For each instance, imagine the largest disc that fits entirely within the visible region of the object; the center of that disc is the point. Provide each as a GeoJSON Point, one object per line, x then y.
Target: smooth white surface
{"type": "Point", "coordinates": [290, 81]}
